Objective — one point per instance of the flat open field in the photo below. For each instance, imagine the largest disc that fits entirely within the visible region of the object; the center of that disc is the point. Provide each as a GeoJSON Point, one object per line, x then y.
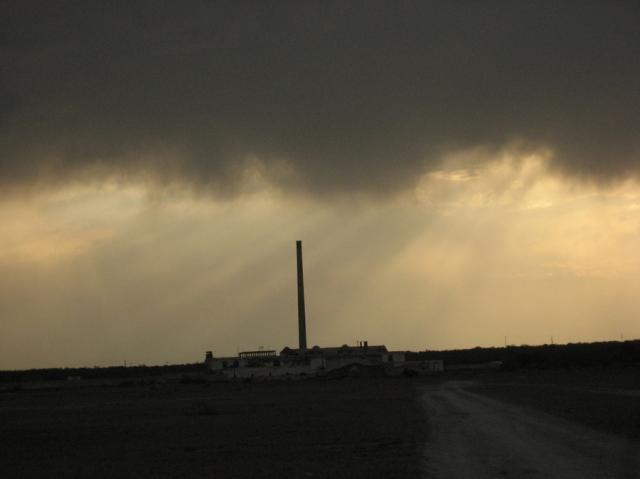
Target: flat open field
{"type": "Point", "coordinates": [363, 427]}
{"type": "Point", "coordinates": [479, 424]}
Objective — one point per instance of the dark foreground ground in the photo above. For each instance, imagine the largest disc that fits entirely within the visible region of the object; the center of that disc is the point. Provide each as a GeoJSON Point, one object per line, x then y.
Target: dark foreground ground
{"type": "Point", "coordinates": [562, 423]}
{"type": "Point", "coordinates": [535, 423]}
{"type": "Point", "coordinates": [362, 427]}
{"type": "Point", "coordinates": [472, 436]}
{"type": "Point", "coordinates": [603, 398]}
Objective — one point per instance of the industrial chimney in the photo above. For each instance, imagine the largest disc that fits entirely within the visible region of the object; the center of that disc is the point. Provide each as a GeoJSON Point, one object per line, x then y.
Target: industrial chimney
{"type": "Point", "coordinates": [302, 326]}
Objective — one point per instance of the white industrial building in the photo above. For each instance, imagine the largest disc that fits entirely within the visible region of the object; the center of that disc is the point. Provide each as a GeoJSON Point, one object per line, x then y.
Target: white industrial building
{"type": "Point", "coordinates": [315, 361]}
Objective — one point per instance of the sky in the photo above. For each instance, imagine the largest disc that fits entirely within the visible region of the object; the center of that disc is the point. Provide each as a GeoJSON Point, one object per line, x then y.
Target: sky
{"type": "Point", "coordinates": [460, 173]}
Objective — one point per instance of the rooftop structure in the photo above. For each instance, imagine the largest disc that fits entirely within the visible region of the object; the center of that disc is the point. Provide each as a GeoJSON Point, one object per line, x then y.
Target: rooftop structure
{"type": "Point", "coordinates": [257, 354]}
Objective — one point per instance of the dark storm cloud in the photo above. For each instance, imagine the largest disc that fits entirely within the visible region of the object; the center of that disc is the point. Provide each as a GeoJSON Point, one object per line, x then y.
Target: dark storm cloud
{"type": "Point", "coordinates": [351, 95]}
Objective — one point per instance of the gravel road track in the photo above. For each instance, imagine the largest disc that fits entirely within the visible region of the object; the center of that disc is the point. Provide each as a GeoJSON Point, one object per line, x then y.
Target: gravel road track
{"type": "Point", "coordinates": [471, 436]}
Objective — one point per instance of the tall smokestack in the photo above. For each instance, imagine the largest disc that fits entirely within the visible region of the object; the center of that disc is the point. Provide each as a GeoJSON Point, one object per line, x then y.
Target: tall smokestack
{"type": "Point", "coordinates": [302, 325]}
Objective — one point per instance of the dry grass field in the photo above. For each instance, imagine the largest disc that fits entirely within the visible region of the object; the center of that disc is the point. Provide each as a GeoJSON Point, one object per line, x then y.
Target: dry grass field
{"type": "Point", "coordinates": [342, 428]}
{"type": "Point", "coordinates": [363, 427]}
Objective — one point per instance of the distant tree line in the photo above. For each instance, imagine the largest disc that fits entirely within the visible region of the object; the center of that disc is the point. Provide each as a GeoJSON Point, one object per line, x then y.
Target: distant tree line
{"type": "Point", "coordinates": [111, 372]}
{"type": "Point", "coordinates": [546, 356]}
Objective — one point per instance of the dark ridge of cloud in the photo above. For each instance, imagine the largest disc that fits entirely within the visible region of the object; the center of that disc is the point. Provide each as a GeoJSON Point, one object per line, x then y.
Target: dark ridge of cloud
{"type": "Point", "coordinates": [331, 97]}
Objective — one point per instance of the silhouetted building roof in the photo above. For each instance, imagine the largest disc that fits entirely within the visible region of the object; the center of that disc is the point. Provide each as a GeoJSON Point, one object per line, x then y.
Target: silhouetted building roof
{"type": "Point", "coordinates": [344, 350]}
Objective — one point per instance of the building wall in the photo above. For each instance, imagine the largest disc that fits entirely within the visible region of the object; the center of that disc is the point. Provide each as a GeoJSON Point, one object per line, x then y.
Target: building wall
{"type": "Point", "coordinates": [394, 357]}
{"type": "Point", "coordinates": [341, 361]}
{"type": "Point", "coordinates": [268, 372]}
{"type": "Point", "coordinates": [282, 367]}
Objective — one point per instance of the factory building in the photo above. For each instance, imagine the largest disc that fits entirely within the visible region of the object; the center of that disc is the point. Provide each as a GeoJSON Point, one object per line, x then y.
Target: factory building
{"type": "Point", "coordinates": [314, 361]}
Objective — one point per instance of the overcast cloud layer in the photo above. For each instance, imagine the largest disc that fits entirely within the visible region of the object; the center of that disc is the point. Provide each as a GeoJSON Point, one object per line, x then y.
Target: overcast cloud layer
{"type": "Point", "coordinates": [324, 97]}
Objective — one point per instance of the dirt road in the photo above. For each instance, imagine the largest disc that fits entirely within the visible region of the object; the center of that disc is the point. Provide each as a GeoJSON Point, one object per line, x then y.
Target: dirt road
{"type": "Point", "coordinates": [471, 436]}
